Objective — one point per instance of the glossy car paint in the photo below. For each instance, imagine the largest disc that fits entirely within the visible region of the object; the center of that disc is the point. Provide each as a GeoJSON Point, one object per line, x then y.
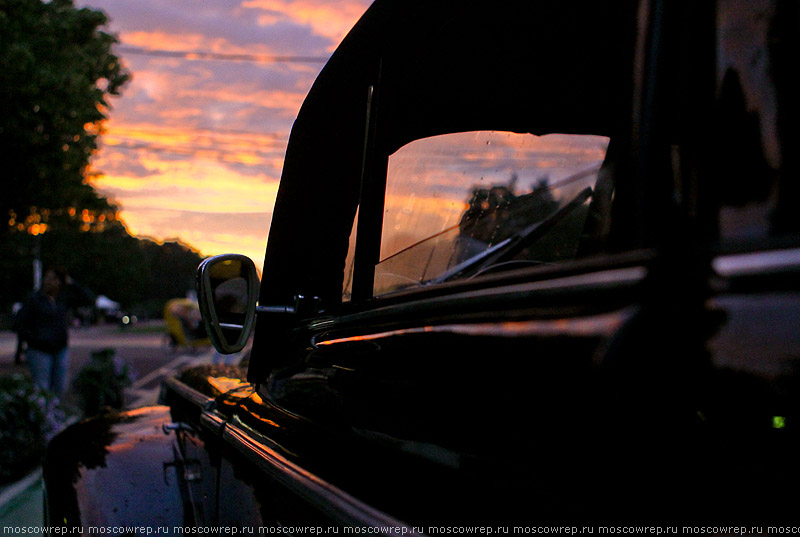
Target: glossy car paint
{"type": "Point", "coordinates": [116, 470]}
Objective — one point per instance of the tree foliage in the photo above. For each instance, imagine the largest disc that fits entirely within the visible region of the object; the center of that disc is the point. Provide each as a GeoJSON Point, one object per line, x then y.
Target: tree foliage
{"type": "Point", "coordinates": [141, 274]}
{"type": "Point", "coordinates": [56, 73]}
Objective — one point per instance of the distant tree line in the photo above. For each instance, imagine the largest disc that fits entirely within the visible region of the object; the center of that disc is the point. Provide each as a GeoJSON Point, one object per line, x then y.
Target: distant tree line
{"type": "Point", "coordinates": [57, 71]}
{"type": "Point", "coordinates": [140, 274]}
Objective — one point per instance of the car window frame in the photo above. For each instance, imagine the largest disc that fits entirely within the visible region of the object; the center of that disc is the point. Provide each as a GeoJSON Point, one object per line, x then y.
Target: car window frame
{"type": "Point", "coordinates": [640, 211]}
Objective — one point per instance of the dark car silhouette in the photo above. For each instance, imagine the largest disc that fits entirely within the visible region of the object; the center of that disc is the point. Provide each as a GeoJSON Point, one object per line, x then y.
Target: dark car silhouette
{"type": "Point", "coordinates": [531, 263]}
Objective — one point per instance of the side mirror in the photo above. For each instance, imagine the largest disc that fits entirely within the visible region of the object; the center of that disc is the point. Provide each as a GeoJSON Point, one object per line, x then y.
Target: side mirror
{"type": "Point", "coordinates": [227, 290]}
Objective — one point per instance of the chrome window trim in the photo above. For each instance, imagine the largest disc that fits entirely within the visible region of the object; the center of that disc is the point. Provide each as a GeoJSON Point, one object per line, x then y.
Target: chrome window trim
{"type": "Point", "coordinates": [609, 278]}
{"type": "Point", "coordinates": [212, 422]}
{"type": "Point", "coordinates": [190, 394]}
{"type": "Point", "coordinates": [600, 278]}
{"type": "Point", "coordinates": [756, 263]}
{"type": "Point", "coordinates": [606, 324]}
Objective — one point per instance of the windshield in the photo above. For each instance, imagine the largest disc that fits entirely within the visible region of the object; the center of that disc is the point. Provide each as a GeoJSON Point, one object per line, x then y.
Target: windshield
{"type": "Point", "coordinates": [454, 201]}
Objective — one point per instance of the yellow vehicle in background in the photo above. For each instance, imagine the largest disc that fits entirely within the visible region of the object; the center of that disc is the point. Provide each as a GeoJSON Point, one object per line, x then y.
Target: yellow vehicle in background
{"type": "Point", "coordinates": [184, 325]}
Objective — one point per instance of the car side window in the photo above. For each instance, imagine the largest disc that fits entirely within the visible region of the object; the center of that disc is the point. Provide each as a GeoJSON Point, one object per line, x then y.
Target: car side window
{"type": "Point", "coordinates": [462, 204]}
{"type": "Point", "coordinates": [754, 180]}
{"type": "Point", "coordinates": [349, 264]}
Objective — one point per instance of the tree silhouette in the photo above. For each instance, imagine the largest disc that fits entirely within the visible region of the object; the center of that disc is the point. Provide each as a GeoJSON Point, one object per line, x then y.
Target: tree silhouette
{"type": "Point", "coordinates": [56, 73]}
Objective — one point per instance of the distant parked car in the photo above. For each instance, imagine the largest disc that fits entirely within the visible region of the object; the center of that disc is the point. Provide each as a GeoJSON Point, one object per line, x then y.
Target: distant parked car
{"type": "Point", "coordinates": [106, 308]}
{"type": "Point", "coordinates": [530, 263]}
{"type": "Point", "coordinates": [184, 326]}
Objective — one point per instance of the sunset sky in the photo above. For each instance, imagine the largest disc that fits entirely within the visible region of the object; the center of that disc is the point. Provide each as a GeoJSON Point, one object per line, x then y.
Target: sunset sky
{"type": "Point", "coordinates": [194, 146]}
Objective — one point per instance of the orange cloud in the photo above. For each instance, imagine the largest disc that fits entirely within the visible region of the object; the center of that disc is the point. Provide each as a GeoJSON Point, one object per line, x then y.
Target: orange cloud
{"type": "Point", "coordinates": [289, 101]}
{"type": "Point", "coordinates": [244, 233]}
{"type": "Point", "coordinates": [194, 149]}
{"type": "Point", "coordinates": [187, 41]}
{"type": "Point", "coordinates": [201, 201]}
{"type": "Point", "coordinates": [331, 19]}
{"type": "Point", "coordinates": [262, 150]}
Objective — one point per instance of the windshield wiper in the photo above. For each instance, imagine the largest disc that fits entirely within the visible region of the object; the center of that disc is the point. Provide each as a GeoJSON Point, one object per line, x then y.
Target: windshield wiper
{"type": "Point", "coordinates": [511, 246]}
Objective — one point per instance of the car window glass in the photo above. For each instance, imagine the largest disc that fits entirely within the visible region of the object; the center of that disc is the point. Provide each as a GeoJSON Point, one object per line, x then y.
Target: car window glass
{"type": "Point", "coordinates": [349, 264]}
{"type": "Point", "coordinates": [459, 203]}
{"type": "Point", "coordinates": [755, 174]}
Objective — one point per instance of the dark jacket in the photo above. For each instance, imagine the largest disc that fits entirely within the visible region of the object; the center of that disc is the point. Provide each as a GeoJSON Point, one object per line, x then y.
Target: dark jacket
{"type": "Point", "coordinates": [42, 322]}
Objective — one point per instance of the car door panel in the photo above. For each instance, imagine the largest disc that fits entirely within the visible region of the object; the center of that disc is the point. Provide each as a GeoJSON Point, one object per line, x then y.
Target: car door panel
{"type": "Point", "coordinates": [456, 398]}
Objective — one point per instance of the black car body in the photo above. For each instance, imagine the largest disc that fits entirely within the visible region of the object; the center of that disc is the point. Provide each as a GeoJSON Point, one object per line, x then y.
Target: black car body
{"type": "Point", "coordinates": [615, 342]}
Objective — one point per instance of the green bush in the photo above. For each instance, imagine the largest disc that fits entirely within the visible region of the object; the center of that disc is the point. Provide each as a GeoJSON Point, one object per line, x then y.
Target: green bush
{"type": "Point", "coordinates": [29, 417]}
{"type": "Point", "coordinates": [100, 383]}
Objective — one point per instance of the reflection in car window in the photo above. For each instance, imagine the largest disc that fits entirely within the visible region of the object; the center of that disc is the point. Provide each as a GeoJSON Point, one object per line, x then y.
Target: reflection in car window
{"type": "Point", "coordinates": [349, 263]}
{"type": "Point", "coordinates": [754, 182]}
{"type": "Point", "coordinates": [459, 204]}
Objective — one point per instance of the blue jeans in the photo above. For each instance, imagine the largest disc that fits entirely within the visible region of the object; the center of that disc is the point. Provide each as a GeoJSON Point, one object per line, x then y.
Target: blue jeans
{"type": "Point", "coordinates": [49, 371]}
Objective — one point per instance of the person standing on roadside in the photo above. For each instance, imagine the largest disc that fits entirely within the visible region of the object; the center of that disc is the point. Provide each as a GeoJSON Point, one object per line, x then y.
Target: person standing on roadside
{"type": "Point", "coordinates": [43, 326]}
{"type": "Point", "coordinates": [20, 352]}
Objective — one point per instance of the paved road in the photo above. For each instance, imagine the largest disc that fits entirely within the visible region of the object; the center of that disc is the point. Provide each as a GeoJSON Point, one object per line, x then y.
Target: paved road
{"type": "Point", "coordinates": [144, 347]}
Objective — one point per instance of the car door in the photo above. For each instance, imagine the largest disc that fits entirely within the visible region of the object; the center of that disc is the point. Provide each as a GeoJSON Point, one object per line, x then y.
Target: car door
{"type": "Point", "coordinates": [432, 404]}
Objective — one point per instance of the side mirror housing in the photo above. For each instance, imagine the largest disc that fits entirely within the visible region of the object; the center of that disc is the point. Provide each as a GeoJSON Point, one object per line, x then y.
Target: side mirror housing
{"type": "Point", "coordinates": [227, 290]}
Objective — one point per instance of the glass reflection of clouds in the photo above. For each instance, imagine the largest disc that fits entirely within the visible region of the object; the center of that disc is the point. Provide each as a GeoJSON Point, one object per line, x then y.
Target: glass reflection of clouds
{"type": "Point", "coordinates": [431, 180]}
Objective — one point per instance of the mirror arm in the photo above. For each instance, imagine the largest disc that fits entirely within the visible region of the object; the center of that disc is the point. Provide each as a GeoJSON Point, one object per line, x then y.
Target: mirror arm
{"type": "Point", "coordinates": [304, 306]}
{"type": "Point", "coordinates": [276, 309]}
{"type": "Point", "coordinates": [231, 326]}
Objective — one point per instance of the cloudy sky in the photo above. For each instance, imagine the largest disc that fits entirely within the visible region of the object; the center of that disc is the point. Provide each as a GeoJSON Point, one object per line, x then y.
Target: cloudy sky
{"type": "Point", "coordinates": [194, 147]}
